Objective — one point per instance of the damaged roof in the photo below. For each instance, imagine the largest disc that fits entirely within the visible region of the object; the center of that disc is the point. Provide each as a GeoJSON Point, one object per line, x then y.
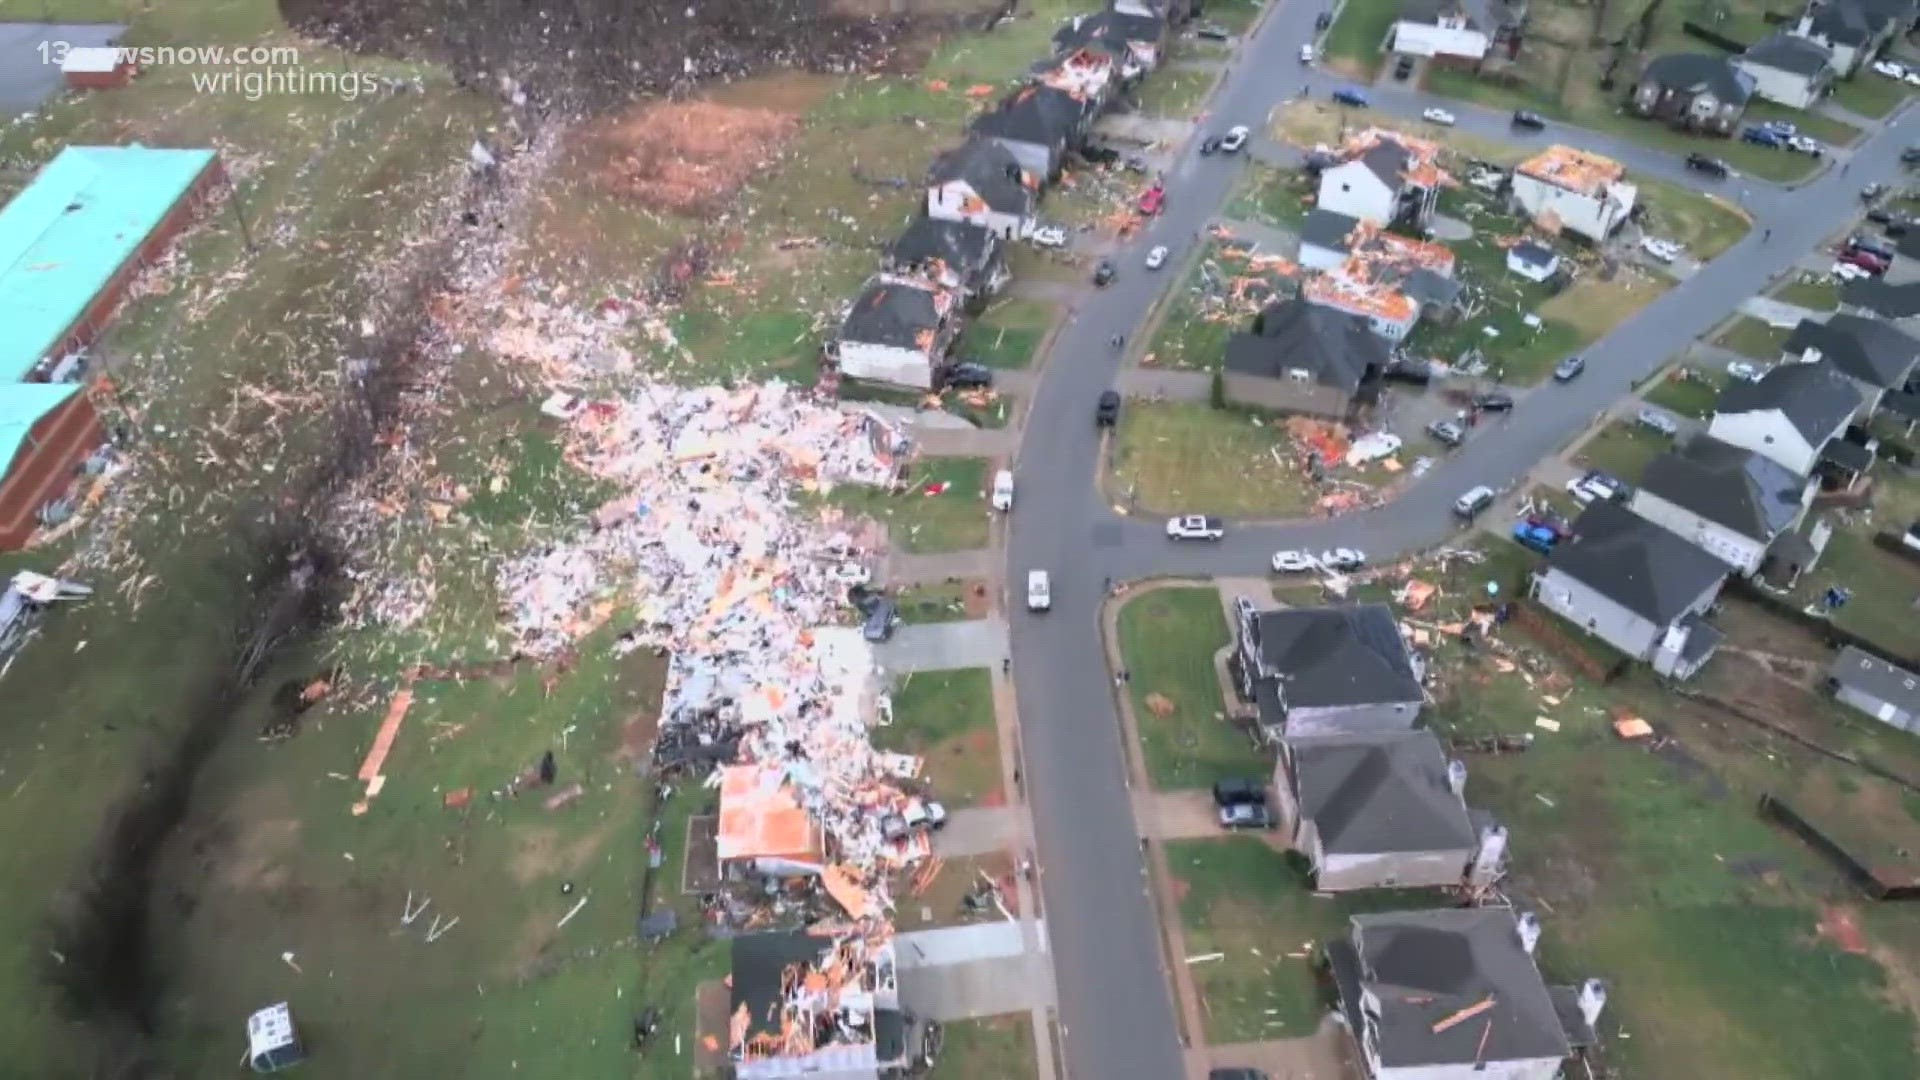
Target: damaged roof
{"type": "Point", "coordinates": [1379, 792]}
{"type": "Point", "coordinates": [1396, 158]}
{"type": "Point", "coordinates": [1872, 351]}
{"type": "Point", "coordinates": [1573, 169]}
{"type": "Point", "coordinates": [960, 244]}
{"type": "Point", "coordinates": [1815, 398]}
{"type": "Point", "coordinates": [1728, 485]}
{"type": "Point", "coordinates": [898, 311]}
{"type": "Point", "coordinates": [1330, 657]}
{"type": "Point", "coordinates": [761, 817]}
{"type": "Point", "coordinates": [1327, 229]}
{"type": "Point", "coordinates": [1635, 563]}
{"type": "Point", "coordinates": [1533, 253]}
{"type": "Point", "coordinates": [1386, 275]}
{"type": "Point", "coordinates": [1336, 348]}
{"type": "Point", "coordinates": [1114, 30]}
{"type": "Point", "coordinates": [1701, 73]}
{"type": "Point", "coordinates": [992, 172]}
{"type": "Point", "coordinates": [1427, 969]}
{"type": "Point", "coordinates": [794, 992]}
{"type": "Point", "coordinates": [1042, 115]}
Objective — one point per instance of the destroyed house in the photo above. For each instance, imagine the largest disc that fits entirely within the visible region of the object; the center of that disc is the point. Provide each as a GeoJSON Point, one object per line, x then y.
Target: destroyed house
{"type": "Point", "coordinates": [1635, 586]}
{"type": "Point", "coordinates": [1301, 358]}
{"type": "Point", "coordinates": [954, 254]}
{"type": "Point", "coordinates": [803, 1004]}
{"type": "Point", "coordinates": [1700, 91]}
{"type": "Point", "coordinates": [1877, 356]}
{"type": "Point", "coordinates": [1132, 40]}
{"type": "Point", "coordinates": [1453, 994]}
{"type": "Point", "coordinates": [71, 244]}
{"type": "Point", "coordinates": [1038, 124]}
{"type": "Point", "coordinates": [898, 331]}
{"type": "Point", "coordinates": [763, 829]}
{"type": "Point", "coordinates": [1386, 178]}
{"type": "Point", "coordinates": [1383, 810]}
{"type": "Point", "coordinates": [1789, 414]}
{"type": "Point", "coordinates": [1390, 281]}
{"type": "Point", "coordinates": [982, 183]}
{"type": "Point", "coordinates": [1562, 188]}
{"type": "Point", "coordinates": [1726, 500]}
{"type": "Point", "coordinates": [1087, 74]}
{"type": "Point", "coordinates": [1326, 670]}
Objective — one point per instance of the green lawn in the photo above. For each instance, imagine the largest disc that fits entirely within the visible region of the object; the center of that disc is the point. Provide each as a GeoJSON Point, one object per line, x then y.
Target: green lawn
{"type": "Point", "coordinates": [1236, 15]}
{"type": "Point", "coordinates": [956, 519]}
{"type": "Point", "coordinates": [1820, 295]}
{"type": "Point", "coordinates": [1168, 638]}
{"type": "Point", "coordinates": [1177, 457]}
{"type": "Point", "coordinates": [1353, 42]}
{"type": "Point", "coordinates": [1623, 449]}
{"type": "Point", "coordinates": [1241, 897]}
{"type": "Point", "coordinates": [996, 1046]}
{"type": "Point", "coordinates": [947, 718]}
{"type": "Point", "coordinates": [937, 603]}
{"type": "Point", "coordinates": [1202, 311]}
{"type": "Point", "coordinates": [1884, 588]}
{"type": "Point", "coordinates": [1706, 224]}
{"type": "Point", "coordinates": [1271, 196]}
{"type": "Point", "coordinates": [1008, 333]}
{"type": "Point", "coordinates": [1692, 395]}
{"type": "Point", "coordinates": [1812, 124]}
{"type": "Point", "coordinates": [1870, 95]}
{"type": "Point", "coordinates": [1175, 94]}
{"type": "Point", "coordinates": [1749, 336]}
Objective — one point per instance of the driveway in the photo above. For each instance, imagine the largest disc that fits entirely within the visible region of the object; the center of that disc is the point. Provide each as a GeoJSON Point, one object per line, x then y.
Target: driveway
{"type": "Point", "coordinates": [962, 972]}
{"type": "Point", "coordinates": [943, 646]}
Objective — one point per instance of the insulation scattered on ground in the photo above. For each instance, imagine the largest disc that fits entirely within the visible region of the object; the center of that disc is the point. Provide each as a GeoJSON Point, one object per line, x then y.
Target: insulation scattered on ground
{"type": "Point", "coordinates": [686, 156]}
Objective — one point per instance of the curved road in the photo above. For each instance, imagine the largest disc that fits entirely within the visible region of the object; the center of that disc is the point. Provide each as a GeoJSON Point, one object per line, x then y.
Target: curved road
{"type": "Point", "coordinates": [1115, 1008]}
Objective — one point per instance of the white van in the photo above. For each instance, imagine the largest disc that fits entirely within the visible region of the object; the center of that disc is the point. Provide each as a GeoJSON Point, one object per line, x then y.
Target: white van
{"type": "Point", "coordinates": [1003, 490]}
{"type": "Point", "coordinates": [1039, 591]}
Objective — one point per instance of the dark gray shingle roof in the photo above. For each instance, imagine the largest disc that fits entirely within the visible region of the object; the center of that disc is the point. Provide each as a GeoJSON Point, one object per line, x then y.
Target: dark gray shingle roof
{"type": "Point", "coordinates": [1635, 563]}
{"type": "Point", "coordinates": [1336, 348]}
{"type": "Point", "coordinates": [1533, 253]}
{"type": "Point", "coordinates": [889, 312]}
{"type": "Point", "coordinates": [1368, 794]}
{"type": "Point", "coordinates": [1042, 115]}
{"type": "Point", "coordinates": [960, 244]}
{"type": "Point", "coordinates": [1327, 229]}
{"type": "Point", "coordinates": [1697, 72]}
{"type": "Point", "coordinates": [1883, 299]}
{"type": "Point", "coordinates": [1814, 398]}
{"type": "Point", "coordinates": [1387, 160]}
{"type": "Point", "coordinates": [1109, 29]}
{"type": "Point", "coordinates": [1874, 352]}
{"type": "Point", "coordinates": [1876, 678]}
{"type": "Point", "coordinates": [1750, 494]}
{"type": "Point", "coordinates": [1337, 656]}
{"type": "Point", "coordinates": [1423, 967]}
{"type": "Point", "coordinates": [1786, 52]}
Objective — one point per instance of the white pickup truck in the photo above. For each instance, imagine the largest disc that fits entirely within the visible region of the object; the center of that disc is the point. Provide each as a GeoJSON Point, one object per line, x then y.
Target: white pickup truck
{"type": "Point", "coordinates": [1196, 527]}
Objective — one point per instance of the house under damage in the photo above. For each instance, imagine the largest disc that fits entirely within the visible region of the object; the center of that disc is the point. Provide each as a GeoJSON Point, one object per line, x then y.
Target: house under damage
{"type": "Point", "coordinates": [822, 1005]}
{"type": "Point", "coordinates": [1391, 281]}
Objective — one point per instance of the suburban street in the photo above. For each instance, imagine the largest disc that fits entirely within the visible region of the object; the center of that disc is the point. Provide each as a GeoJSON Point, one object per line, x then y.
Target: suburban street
{"type": "Point", "coordinates": [1114, 1001]}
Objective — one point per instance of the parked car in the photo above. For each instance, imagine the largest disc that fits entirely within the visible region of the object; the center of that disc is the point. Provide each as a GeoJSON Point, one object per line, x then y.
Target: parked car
{"type": "Point", "coordinates": [1236, 1074]}
{"type": "Point", "coordinates": [1306, 54]}
{"type": "Point", "coordinates": [1246, 816]}
{"type": "Point", "coordinates": [1292, 562]}
{"type": "Point", "coordinates": [1469, 505]}
{"type": "Point", "coordinates": [1235, 138]}
{"type": "Point", "coordinates": [1411, 372]}
{"type": "Point", "coordinates": [1658, 421]}
{"type": "Point", "coordinates": [1802, 144]}
{"type": "Point", "coordinates": [1493, 401]}
{"type": "Point", "coordinates": [1103, 273]}
{"type": "Point", "coordinates": [1343, 559]}
{"type": "Point", "coordinates": [1761, 136]}
{"type": "Point", "coordinates": [1664, 250]}
{"type": "Point", "coordinates": [1848, 272]}
{"type": "Point", "coordinates": [1196, 527]}
{"type": "Point", "coordinates": [1872, 244]}
{"type": "Point", "coordinates": [1049, 236]}
{"type": "Point", "coordinates": [1785, 128]}
{"type": "Point", "coordinates": [1323, 20]}
{"type": "Point", "coordinates": [1347, 95]}
{"type": "Point", "coordinates": [1872, 192]}
{"type": "Point", "coordinates": [1438, 116]}
{"type": "Point", "coordinates": [1039, 591]}
{"type": "Point", "coordinates": [967, 375]}
{"type": "Point", "coordinates": [1865, 260]}
{"type": "Point", "coordinates": [1569, 369]}
{"type": "Point", "coordinates": [1712, 166]}
{"type": "Point", "coordinates": [1002, 499]}
{"type": "Point", "coordinates": [1213, 32]}
{"type": "Point", "coordinates": [1897, 227]}
{"type": "Point", "coordinates": [881, 619]}
{"type": "Point", "coordinates": [1210, 146]}
{"type": "Point", "coordinates": [1157, 257]}
{"type": "Point", "coordinates": [1239, 791]}
{"type": "Point", "coordinates": [1745, 372]}
{"type": "Point", "coordinates": [1534, 537]}
{"type": "Point", "coordinates": [1153, 200]}
{"type": "Point", "coordinates": [1447, 433]}
{"type": "Point", "coordinates": [1597, 485]}
{"type": "Point", "coordinates": [1890, 69]}
{"type": "Point", "coordinates": [1403, 68]}
{"type": "Point", "coordinates": [1107, 412]}
{"type": "Point", "coordinates": [1910, 156]}
{"type": "Point", "coordinates": [1532, 121]}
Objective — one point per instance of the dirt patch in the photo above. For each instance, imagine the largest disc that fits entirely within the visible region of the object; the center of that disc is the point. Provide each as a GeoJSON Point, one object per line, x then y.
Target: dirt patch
{"type": "Point", "coordinates": [683, 157]}
{"type": "Point", "coordinates": [542, 853]}
{"type": "Point", "coordinates": [1178, 888]}
{"type": "Point", "coordinates": [1838, 925]}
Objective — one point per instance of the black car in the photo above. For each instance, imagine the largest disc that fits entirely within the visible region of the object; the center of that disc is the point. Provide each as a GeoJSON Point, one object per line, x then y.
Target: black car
{"type": "Point", "coordinates": [1910, 156]}
{"type": "Point", "coordinates": [1323, 20]}
{"type": "Point", "coordinates": [1209, 145]}
{"type": "Point", "coordinates": [1239, 790]}
{"type": "Point", "coordinates": [1493, 401]}
{"type": "Point", "coordinates": [969, 376]}
{"type": "Point", "coordinates": [1107, 413]}
{"type": "Point", "coordinates": [1897, 227]}
{"type": "Point", "coordinates": [1712, 166]}
{"type": "Point", "coordinates": [1213, 32]}
{"type": "Point", "coordinates": [1880, 216]}
{"type": "Point", "coordinates": [1403, 69]}
{"type": "Point", "coordinates": [1103, 273]}
{"type": "Point", "coordinates": [1099, 155]}
{"type": "Point", "coordinates": [1532, 121]}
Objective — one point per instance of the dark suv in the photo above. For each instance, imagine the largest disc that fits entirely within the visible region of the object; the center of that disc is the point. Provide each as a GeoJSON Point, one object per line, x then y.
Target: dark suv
{"type": "Point", "coordinates": [1712, 166]}
{"type": "Point", "coordinates": [1107, 412]}
{"type": "Point", "coordinates": [1532, 121]}
{"type": "Point", "coordinates": [1239, 790]}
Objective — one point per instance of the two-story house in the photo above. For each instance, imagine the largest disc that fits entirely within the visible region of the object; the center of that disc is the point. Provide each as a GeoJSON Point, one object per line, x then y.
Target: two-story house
{"type": "Point", "coordinates": [1562, 188]}
{"type": "Point", "coordinates": [1134, 41]}
{"type": "Point", "coordinates": [1389, 280]}
{"type": "Point", "coordinates": [1456, 994]}
{"type": "Point", "coordinates": [1701, 91]}
{"type": "Point", "coordinates": [1789, 70]}
{"type": "Point", "coordinates": [1877, 356]}
{"type": "Point", "coordinates": [1439, 28]}
{"type": "Point", "coordinates": [980, 182]}
{"type": "Point", "coordinates": [1383, 810]}
{"type": "Point", "coordinates": [954, 254]}
{"type": "Point", "coordinates": [1384, 178]}
{"type": "Point", "coordinates": [1789, 414]}
{"type": "Point", "coordinates": [1038, 124]}
{"type": "Point", "coordinates": [1726, 500]}
{"type": "Point", "coordinates": [898, 331]}
{"type": "Point", "coordinates": [1635, 586]}
{"type": "Point", "coordinates": [1326, 670]}
{"type": "Point", "coordinates": [1304, 358]}
{"type": "Point", "coordinates": [1854, 31]}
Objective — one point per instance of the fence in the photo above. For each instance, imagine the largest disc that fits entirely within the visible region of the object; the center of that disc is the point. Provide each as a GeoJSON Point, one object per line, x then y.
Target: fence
{"type": "Point", "coordinates": [1822, 628]}
{"type": "Point", "coordinates": [1892, 543]}
{"type": "Point", "coordinates": [1860, 873]}
{"type": "Point", "coordinates": [1713, 37]}
{"type": "Point", "coordinates": [1553, 636]}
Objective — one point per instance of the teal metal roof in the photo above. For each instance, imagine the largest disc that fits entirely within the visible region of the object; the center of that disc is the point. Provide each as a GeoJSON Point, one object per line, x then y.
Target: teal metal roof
{"type": "Point", "coordinates": [62, 239]}
{"type": "Point", "coordinates": [22, 405]}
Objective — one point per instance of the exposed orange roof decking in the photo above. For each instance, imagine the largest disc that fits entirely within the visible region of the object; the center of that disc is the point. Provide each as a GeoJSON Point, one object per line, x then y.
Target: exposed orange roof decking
{"type": "Point", "coordinates": [1573, 169]}
{"type": "Point", "coordinates": [1333, 290]}
{"type": "Point", "coordinates": [1423, 164]}
{"type": "Point", "coordinates": [761, 818]}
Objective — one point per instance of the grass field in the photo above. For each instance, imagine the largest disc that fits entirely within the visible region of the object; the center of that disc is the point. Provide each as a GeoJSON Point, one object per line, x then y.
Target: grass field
{"type": "Point", "coordinates": [1691, 396]}
{"type": "Point", "coordinates": [1706, 224]}
{"type": "Point", "coordinates": [1819, 294]}
{"type": "Point", "coordinates": [997, 1046]}
{"type": "Point", "coordinates": [936, 603]}
{"type": "Point", "coordinates": [1182, 458]}
{"type": "Point", "coordinates": [1623, 449]}
{"type": "Point", "coordinates": [1168, 638]}
{"type": "Point", "coordinates": [947, 718]}
{"type": "Point", "coordinates": [1870, 95]}
{"type": "Point", "coordinates": [1749, 336]}
{"type": "Point", "coordinates": [956, 519]}
{"type": "Point", "coordinates": [1175, 94]}
{"type": "Point", "coordinates": [1008, 333]}
{"type": "Point", "coordinates": [1353, 42]}
{"type": "Point", "coordinates": [1884, 587]}
{"type": "Point", "coordinates": [1271, 196]}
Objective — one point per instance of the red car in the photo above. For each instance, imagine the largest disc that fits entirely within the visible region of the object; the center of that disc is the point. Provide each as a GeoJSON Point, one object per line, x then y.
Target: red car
{"type": "Point", "coordinates": [1865, 260]}
{"type": "Point", "coordinates": [1153, 200]}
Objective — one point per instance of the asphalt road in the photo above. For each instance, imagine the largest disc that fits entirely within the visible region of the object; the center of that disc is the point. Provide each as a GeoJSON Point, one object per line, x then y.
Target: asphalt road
{"type": "Point", "coordinates": [1114, 1000]}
